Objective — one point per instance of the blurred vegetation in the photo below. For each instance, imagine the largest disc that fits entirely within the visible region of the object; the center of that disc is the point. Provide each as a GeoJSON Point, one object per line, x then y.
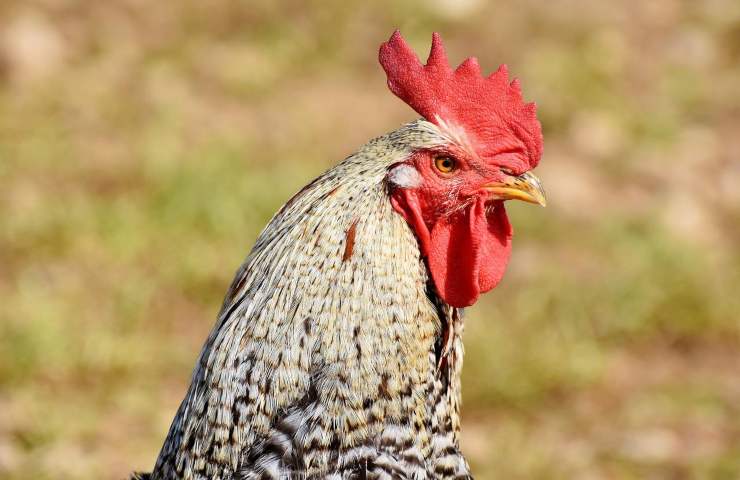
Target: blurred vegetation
{"type": "Point", "coordinates": [143, 145]}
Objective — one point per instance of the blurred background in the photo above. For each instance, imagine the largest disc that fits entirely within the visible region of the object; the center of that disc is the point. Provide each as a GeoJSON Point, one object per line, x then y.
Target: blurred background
{"type": "Point", "coordinates": [143, 145]}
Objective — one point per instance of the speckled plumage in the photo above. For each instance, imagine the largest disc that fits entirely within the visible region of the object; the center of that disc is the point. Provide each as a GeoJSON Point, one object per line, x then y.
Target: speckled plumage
{"type": "Point", "coordinates": [332, 356]}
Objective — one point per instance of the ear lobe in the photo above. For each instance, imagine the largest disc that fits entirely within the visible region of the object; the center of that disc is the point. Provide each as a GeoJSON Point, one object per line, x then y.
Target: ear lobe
{"type": "Point", "coordinates": [404, 176]}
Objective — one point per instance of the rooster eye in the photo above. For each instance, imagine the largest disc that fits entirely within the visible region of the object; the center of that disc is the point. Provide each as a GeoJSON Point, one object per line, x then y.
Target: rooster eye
{"type": "Point", "coordinates": [445, 164]}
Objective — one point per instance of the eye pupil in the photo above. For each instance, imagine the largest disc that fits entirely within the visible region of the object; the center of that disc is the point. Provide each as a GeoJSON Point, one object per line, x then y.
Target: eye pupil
{"type": "Point", "coordinates": [444, 164]}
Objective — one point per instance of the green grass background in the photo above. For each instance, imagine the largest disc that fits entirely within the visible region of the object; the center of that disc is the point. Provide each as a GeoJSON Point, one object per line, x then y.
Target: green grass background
{"type": "Point", "coordinates": [143, 145]}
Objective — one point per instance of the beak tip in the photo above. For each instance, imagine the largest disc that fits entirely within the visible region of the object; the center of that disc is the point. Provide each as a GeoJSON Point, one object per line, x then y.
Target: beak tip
{"type": "Point", "coordinates": [526, 187]}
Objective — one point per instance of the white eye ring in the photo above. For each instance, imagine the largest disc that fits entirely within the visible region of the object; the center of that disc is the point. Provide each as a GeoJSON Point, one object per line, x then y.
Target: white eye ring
{"type": "Point", "coordinates": [404, 176]}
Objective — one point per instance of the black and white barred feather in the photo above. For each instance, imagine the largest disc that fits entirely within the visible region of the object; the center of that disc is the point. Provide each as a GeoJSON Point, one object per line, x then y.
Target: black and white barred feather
{"type": "Point", "coordinates": [332, 356]}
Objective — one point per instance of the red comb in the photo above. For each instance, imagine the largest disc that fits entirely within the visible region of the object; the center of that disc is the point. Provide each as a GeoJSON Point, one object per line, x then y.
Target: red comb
{"type": "Point", "coordinates": [490, 109]}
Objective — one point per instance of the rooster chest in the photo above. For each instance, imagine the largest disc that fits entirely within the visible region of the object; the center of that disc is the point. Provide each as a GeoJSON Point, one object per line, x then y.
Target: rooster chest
{"type": "Point", "coordinates": [365, 411]}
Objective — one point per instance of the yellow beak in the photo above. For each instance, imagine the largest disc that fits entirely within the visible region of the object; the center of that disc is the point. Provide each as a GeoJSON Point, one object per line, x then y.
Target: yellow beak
{"type": "Point", "coordinates": [526, 187]}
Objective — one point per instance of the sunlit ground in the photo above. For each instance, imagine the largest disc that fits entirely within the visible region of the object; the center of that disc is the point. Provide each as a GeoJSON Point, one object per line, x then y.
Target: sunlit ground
{"type": "Point", "coordinates": [143, 145]}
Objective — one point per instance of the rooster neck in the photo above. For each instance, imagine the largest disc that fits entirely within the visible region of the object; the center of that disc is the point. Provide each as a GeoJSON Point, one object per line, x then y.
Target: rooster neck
{"type": "Point", "coordinates": [341, 264]}
{"type": "Point", "coordinates": [330, 328]}
{"type": "Point", "coordinates": [338, 255]}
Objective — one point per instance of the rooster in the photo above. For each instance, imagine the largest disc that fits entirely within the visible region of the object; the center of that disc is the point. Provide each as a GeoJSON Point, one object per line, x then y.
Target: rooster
{"type": "Point", "coordinates": [337, 352]}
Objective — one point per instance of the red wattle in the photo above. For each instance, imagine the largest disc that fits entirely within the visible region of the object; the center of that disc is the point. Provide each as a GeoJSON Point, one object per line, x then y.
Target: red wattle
{"type": "Point", "coordinates": [495, 248]}
{"type": "Point", "coordinates": [467, 253]}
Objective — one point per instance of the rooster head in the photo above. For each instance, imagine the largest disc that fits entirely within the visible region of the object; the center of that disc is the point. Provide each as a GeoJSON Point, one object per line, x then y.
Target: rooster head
{"type": "Point", "coordinates": [452, 192]}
